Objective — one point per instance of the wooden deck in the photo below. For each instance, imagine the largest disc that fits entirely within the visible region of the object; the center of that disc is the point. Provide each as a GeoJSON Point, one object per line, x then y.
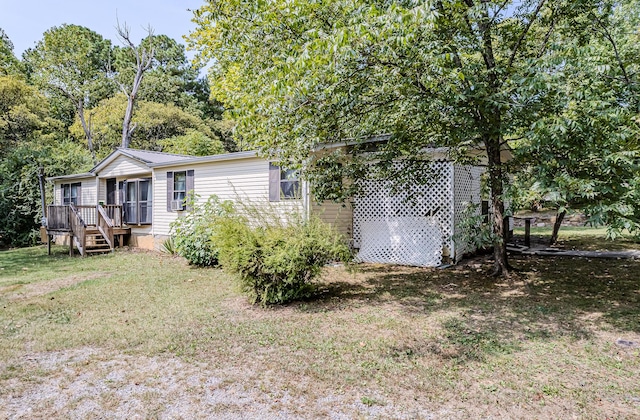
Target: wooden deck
{"type": "Point", "coordinates": [91, 229]}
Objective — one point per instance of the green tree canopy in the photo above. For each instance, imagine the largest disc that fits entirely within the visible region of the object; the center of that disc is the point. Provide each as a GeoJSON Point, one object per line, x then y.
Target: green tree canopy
{"type": "Point", "coordinates": [72, 62]}
{"type": "Point", "coordinates": [154, 122]}
{"type": "Point", "coordinates": [9, 64]}
{"type": "Point", "coordinates": [586, 154]}
{"type": "Point", "coordinates": [24, 114]}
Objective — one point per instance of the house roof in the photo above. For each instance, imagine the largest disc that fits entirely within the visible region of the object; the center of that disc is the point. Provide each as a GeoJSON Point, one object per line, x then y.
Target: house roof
{"type": "Point", "coordinates": [72, 176]}
{"type": "Point", "coordinates": [143, 156]}
{"type": "Point", "coordinates": [155, 160]}
{"type": "Point", "coordinates": [205, 159]}
{"type": "Point", "coordinates": [149, 156]}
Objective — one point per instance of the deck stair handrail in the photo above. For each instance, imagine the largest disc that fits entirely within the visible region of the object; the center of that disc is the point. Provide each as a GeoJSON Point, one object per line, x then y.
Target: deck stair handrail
{"type": "Point", "coordinates": [105, 225]}
{"type": "Point", "coordinates": [79, 228]}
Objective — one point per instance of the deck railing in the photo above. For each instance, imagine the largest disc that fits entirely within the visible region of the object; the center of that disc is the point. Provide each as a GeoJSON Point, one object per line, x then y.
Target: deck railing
{"type": "Point", "coordinates": [105, 226]}
{"type": "Point", "coordinates": [58, 218]}
{"type": "Point", "coordinates": [78, 227]}
{"type": "Point", "coordinates": [89, 214]}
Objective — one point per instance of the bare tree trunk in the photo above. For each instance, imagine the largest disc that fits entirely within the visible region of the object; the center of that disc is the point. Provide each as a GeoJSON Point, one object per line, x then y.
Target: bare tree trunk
{"type": "Point", "coordinates": [144, 56]}
{"type": "Point", "coordinates": [87, 131]}
{"type": "Point", "coordinates": [556, 227]}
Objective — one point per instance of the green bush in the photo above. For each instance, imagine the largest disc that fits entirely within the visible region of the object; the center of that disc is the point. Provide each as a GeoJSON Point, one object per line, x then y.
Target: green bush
{"type": "Point", "coordinates": [473, 233]}
{"type": "Point", "coordinates": [276, 259]}
{"type": "Point", "coordinates": [192, 231]}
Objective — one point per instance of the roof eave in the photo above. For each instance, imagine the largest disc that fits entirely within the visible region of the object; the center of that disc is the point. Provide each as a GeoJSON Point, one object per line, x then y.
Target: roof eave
{"type": "Point", "coordinates": [71, 176]}
{"type": "Point", "coordinates": [207, 159]}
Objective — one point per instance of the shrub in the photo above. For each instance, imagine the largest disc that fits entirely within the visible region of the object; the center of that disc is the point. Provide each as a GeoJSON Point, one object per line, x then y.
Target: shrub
{"type": "Point", "coordinates": [169, 246]}
{"type": "Point", "coordinates": [472, 232]}
{"type": "Point", "coordinates": [276, 261]}
{"type": "Point", "coordinates": [192, 232]}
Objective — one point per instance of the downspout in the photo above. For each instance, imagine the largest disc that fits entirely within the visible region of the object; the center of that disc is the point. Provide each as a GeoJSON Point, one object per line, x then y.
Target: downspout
{"type": "Point", "coordinates": [306, 200]}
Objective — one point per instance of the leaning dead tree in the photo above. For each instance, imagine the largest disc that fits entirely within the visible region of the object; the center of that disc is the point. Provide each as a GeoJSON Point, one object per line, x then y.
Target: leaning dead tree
{"type": "Point", "coordinates": [143, 54]}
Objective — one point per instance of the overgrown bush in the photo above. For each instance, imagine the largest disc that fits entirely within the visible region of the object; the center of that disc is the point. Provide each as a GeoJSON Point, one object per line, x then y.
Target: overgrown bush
{"type": "Point", "coordinates": [276, 259]}
{"type": "Point", "coordinates": [192, 232]}
{"type": "Point", "coordinates": [472, 231]}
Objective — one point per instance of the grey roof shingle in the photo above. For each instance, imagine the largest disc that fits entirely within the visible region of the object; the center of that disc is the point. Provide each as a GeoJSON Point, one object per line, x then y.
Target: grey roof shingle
{"type": "Point", "coordinates": [149, 156]}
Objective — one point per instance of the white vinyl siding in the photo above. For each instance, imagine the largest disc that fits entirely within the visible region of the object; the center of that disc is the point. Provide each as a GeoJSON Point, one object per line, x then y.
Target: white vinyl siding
{"type": "Point", "coordinates": [124, 166]}
{"type": "Point", "coordinates": [88, 191]}
{"type": "Point", "coordinates": [241, 179]}
{"type": "Point", "coordinates": [336, 214]}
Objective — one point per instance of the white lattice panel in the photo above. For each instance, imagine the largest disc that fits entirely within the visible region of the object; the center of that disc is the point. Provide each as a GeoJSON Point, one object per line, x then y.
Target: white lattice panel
{"type": "Point", "coordinates": [467, 189]}
{"type": "Point", "coordinates": [434, 200]}
{"type": "Point", "coordinates": [413, 241]}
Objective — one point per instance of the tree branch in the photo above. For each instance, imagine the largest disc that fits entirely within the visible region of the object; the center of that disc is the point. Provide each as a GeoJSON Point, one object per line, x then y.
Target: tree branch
{"type": "Point", "coordinates": [609, 37]}
{"type": "Point", "coordinates": [514, 52]}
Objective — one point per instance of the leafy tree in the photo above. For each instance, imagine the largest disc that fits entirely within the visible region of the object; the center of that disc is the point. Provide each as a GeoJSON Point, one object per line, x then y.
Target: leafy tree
{"type": "Point", "coordinates": [9, 64]}
{"type": "Point", "coordinates": [192, 143]}
{"type": "Point", "coordinates": [29, 138]}
{"type": "Point", "coordinates": [72, 62]}
{"type": "Point", "coordinates": [154, 122]}
{"type": "Point", "coordinates": [586, 154]}
{"type": "Point", "coordinates": [23, 114]}
{"type": "Point", "coordinates": [19, 188]}
{"type": "Point", "coordinates": [457, 73]}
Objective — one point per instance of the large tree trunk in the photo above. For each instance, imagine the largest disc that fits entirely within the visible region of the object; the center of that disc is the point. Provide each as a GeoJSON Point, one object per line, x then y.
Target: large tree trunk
{"type": "Point", "coordinates": [556, 227]}
{"type": "Point", "coordinates": [127, 129]}
{"type": "Point", "coordinates": [87, 130]}
{"type": "Point", "coordinates": [496, 184]}
{"type": "Point", "coordinates": [127, 132]}
{"type": "Point", "coordinates": [144, 60]}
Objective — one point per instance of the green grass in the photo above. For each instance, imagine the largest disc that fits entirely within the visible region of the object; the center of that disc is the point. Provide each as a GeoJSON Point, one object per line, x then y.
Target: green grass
{"type": "Point", "coordinates": [579, 237]}
{"type": "Point", "coordinates": [453, 341]}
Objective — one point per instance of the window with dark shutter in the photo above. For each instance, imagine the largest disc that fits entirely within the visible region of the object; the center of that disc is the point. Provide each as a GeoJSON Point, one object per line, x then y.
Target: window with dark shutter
{"type": "Point", "coordinates": [290, 184]}
{"type": "Point", "coordinates": [179, 186]}
{"type": "Point", "coordinates": [72, 193]}
{"type": "Point", "coordinates": [284, 184]}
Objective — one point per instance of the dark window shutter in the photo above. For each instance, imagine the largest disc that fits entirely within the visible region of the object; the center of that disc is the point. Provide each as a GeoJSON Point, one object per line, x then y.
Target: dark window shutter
{"type": "Point", "coordinates": [190, 186]}
{"type": "Point", "coordinates": [274, 182]}
{"type": "Point", "coordinates": [169, 190]}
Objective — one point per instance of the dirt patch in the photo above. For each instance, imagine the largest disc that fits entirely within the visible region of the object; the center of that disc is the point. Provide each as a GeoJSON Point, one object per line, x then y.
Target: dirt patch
{"type": "Point", "coordinates": [94, 383]}
{"type": "Point", "coordinates": [41, 288]}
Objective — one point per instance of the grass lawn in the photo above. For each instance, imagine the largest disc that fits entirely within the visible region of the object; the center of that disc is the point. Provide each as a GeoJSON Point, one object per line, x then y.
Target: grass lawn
{"type": "Point", "coordinates": [578, 237]}
{"type": "Point", "coordinates": [137, 334]}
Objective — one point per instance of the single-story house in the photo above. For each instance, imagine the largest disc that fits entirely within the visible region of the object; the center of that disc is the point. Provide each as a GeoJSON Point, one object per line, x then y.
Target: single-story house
{"type": "Point", "coordinates": [132, 196]}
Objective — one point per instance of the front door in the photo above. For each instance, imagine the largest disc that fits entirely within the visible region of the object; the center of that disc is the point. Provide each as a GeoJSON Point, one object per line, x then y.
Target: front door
{"type": "Point", "coordinates": [111, 191]}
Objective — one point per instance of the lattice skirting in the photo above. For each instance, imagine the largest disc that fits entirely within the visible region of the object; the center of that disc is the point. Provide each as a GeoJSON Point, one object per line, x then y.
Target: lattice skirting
{"type": "Point", "coordinates": [413, 241]}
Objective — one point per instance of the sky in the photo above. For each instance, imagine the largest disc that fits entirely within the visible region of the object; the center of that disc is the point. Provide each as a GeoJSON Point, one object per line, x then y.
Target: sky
{"type": "Point", "coordinates": [25, 21]}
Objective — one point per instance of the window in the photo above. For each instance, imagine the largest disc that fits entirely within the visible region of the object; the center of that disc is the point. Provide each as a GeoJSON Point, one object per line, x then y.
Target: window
{"type": "Point", "coordinates": [289, 184]}
{"type": "Point", "coordinates": [138, 203]}
{"type": "Point", "coordinates": [179, 184]}
{"type": "Point", "coordinates": [284, 184]}
{"type": "Point", "coordinates": [71, 193]}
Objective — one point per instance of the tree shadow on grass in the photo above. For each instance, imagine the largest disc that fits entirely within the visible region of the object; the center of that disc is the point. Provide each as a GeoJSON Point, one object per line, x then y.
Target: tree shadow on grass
{"type": "Point", "coordinates": [478, 315]}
